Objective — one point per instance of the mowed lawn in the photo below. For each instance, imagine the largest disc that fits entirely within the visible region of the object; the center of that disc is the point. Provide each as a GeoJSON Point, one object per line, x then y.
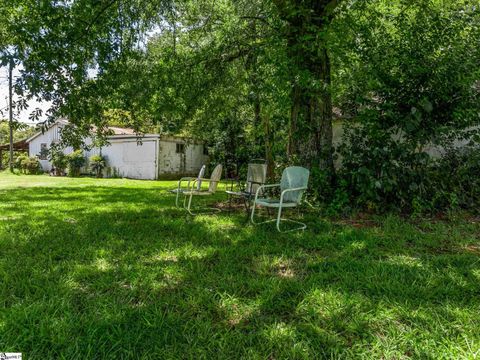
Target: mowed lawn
{"type": "Point", "coordinates": [109, 268]}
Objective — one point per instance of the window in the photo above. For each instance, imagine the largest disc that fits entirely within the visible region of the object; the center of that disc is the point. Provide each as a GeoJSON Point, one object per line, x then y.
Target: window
{"type": "Point", "coordinates": [43, 152]}
{"type": "Point", "coordinates": [205, 150]}
{"type": "Point", "coordinates": [180, 148]}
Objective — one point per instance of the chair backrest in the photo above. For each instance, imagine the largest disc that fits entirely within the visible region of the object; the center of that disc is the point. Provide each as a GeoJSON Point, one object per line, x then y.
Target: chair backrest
{"type": "Point", "coordinates": [294, 177]}
{"type": "Point", "coordinates": [256, 176]}
{"type": "Point", "coordinates": [215, 177]}
{"type": "Point", "coordinates": [201, 173]}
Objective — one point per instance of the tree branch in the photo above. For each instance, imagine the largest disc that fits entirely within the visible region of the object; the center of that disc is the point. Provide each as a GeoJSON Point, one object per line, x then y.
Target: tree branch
{"type": "Point", "coordinates": [264, 20]}
{"type": "Point", "coordinates": [96, 18]}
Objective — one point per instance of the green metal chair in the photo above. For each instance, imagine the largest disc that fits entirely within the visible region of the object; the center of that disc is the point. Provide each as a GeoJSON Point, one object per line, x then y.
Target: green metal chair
{"type": "Point", "coordinates": [292, 186]}
{"type": "Point", "coordinates": [256, 176]}
{"type": "Point", "coordinates": [180, 190]}
{"type": "Point", "coordinates": [197, 191]}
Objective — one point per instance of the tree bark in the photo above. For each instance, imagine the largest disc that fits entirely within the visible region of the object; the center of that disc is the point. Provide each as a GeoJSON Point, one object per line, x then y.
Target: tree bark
{"type": "Point", "coordinates": [310, 129]}
{"type": "Point", "coordinates": [295, 109]}
{"type": "Point", "coordinates": [268, 149]}
{"type": "Point", "coordinates": [252, 65]}
{"type": "Point", "coordinates": [322, 116]}
{"type": "Point", "coordinates": [10, 113]}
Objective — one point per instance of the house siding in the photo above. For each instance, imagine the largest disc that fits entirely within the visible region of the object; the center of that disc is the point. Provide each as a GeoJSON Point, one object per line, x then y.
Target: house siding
{"type": "Point", "coordinates": [173, 163]}
{"type": "Point", "coordinates": [130, 159]}
{"type": "Point", "coordinates": [50, 136]}
{"type": "Point", "coordinates": [150, 158]}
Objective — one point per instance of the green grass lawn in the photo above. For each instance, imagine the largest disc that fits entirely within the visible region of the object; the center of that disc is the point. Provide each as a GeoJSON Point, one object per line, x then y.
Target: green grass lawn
{"type": "Point", "coordinates": [109, 268]}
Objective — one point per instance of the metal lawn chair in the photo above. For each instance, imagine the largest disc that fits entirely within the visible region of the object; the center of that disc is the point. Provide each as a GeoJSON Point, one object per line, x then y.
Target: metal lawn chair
{"type": "Point", "coordinates": [194, 190]}
{"type": "Point", "coordinates": [292, 187]}
{"type": "Point", "coordinates": [256, 176]}
{"type": "Point", "coordinates": [179, 190]}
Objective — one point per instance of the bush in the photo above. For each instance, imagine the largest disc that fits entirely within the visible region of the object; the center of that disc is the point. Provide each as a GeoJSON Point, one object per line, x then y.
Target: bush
{"type": "Point", "coordinates": [454, 182]}
{"type": "Point", "coordinates": [97, 164]}
{"type": "Point", "coordinates": [383, 173]}
{"type": "Point", "coordinates": [31, 165]}
{"type": "Point", "coordinates": [27, 165]}
{"type": "Point", "coordinates": [405, 95]}
{"type": "Point", "coordinates": [58, 159]}
{"type": "Point", "coordinates": [75, 161]}
{"type": "Point", "coordinates": [19, 162]}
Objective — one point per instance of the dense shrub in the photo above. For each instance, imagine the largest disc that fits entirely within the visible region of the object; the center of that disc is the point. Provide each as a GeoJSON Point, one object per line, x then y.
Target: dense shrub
{"type": "Point", "coordinates": [27, 165]}
{"type": "Point", "coordinates": [97, 164]}
{"type": "Point", "coordinates": [75, 161]}
{"type": "Point", "coordinates": [453, 181]}
{"type": "Point", "coordinates": [19, 162]}
{"type": "Point", "coordinates": [32, 165]}
{"type": "Point", "coordinates": [58, 159]}
{"type": "Point", "coordinates": [380, 173]}
{"type": "Point", "coordinates": [408, 82]}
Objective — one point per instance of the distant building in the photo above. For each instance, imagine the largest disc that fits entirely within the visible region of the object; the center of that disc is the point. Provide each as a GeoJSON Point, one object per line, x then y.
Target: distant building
{"type": "Point", "coordinates": [148, 156]}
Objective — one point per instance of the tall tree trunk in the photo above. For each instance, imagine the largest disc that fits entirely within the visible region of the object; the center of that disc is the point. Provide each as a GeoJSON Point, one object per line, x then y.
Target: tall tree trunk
{"type": "Point", "coordinates": [257, 116]}
{"type": "Point", "coordinates": [268, 149]}
{"type": "Point", "coordinates": [310, 130]}
{"type": "Point", "coordinates": [10, 112]}
{"type": "Point", "coordinates": [252, 65]}
{"type": "Point", "coordinates": [295, 108]}
{"type": "Point", "coordinates": [322, 115]}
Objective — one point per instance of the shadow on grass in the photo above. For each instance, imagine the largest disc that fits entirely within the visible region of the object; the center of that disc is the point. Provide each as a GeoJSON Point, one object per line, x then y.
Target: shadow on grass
{"type": "Point", "coordinates": [105, 272]}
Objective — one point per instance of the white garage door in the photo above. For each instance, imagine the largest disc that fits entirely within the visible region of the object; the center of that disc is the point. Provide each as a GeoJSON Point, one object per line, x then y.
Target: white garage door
{"type": "Point", "coordinates": [140, 160]}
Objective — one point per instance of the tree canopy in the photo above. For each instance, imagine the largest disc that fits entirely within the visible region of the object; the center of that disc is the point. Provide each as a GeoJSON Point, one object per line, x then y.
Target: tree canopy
{"type": "Point", "coordinates": [263, 78]}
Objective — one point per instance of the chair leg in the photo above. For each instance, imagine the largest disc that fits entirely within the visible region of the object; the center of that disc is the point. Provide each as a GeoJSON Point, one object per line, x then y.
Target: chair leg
{"type": "Point", "coordinates": [179, 190]}
{"type": "Point", "coordinates": [184, 201]}
{"type": "Point", "coordinates": [252, 217]}
{"type": "Point", "coordinates": [230, 203]}
{"type": "Point", "coordinates": [246, 203]}
{"type": "Point", "coordinates": [178, 195]}
{"type": "Point", "coordinates": [252, 214]}
{"type": "Point", "coordinates": [189, 204]}
{"type": "Point", "coordinates": [302, 226]}
{"type": "Point", "coordinates": [278, 221]}
{"type": "Point", "coordinates": [279, 218]}
{"type": "Point", "coordinates": [188, 207]}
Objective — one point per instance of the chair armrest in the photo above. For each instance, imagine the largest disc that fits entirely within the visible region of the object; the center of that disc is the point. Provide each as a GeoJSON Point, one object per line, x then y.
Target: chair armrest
{"type": "Point", "coordinates": [263, 187]}
{"type": "Point", "coordinates": [294, 189]}
{"type": "Point", "coordinates": [290, 190]}
{"type": "Point", "coordinates": [185, 179]}
{"type": "Point", "coordinates": [208, 180]}
{"type": "Point", "coordinates": [256, 182]}
{"type": "Point", "coordinates": [196, 180]}
{"type": "Point", "coordinates": [251, 182]}
{"type": "Point", "coordinates": [269, 186]}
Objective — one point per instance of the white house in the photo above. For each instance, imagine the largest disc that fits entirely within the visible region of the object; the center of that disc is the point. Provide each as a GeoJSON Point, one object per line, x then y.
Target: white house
{"type": "Point", "coordinates": [150, 156]}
